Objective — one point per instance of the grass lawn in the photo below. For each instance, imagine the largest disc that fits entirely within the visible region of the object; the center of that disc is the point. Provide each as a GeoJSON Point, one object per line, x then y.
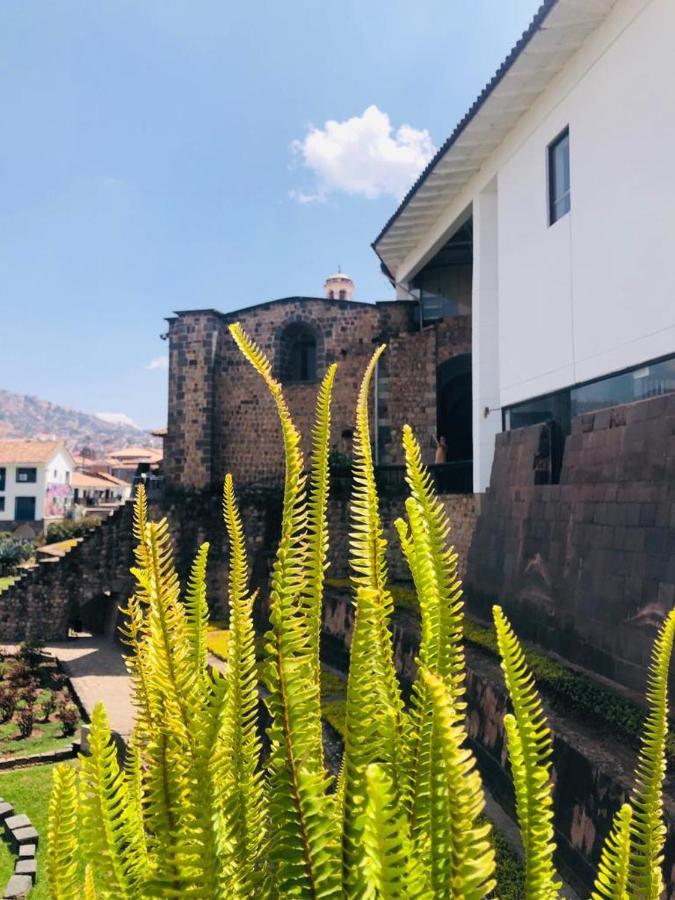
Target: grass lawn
{"type": "Point", "coordinates": [28, 792]}
{"type": "Point", "coordinates": [6, 581]}
{"type": "Point", "coordinates": [46, 736]}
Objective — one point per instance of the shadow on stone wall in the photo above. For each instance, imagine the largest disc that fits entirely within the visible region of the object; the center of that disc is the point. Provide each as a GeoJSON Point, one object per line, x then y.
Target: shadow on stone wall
{"type": "Point", "coordinates": [585, 567]}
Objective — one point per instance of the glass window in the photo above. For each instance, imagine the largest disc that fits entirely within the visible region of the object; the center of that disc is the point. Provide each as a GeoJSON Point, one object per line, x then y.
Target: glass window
{"type": "Point", "coordinates": [649, 380]}
{"type": "Point", "coordinates": [2, 479]}
{"type": "Point", "coordinates": [2, 504]}
{"type": "Point", "coordinates": [26, 476]}
{"type": "Point", "coordinates": [559, 196]}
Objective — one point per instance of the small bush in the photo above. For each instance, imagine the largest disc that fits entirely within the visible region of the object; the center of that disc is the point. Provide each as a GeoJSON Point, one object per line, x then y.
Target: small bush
{"type": "Point", "coordinates": [7, 702]}
{"type": "Point", "coordinates": [25, 719]}
{"type": "Point", "coordinates": [31, 652]}
{"type": "Point", "coordinates": [19, 673]}
{"type": "Point", "coordinates": [68, 716]}
{"type": "Point", "coordinates": [71, 528]}
{"type": "Point", "coordinates": [12, 552]}
{"type": "Point", "coordinates": [28, 692]}
{"type": "Point", "coordinates": [47, 705]}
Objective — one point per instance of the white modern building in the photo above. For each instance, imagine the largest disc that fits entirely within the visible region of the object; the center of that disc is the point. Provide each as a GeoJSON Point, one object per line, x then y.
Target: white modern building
{"type": "Point", "coordinates": [549, 214]}
{"type": "Point", "coordinates": [35, 482]}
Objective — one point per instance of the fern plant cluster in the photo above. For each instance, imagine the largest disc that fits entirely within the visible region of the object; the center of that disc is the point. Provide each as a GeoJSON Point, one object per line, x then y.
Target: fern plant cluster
{"type": "Point", "coordinates": [198, 810]}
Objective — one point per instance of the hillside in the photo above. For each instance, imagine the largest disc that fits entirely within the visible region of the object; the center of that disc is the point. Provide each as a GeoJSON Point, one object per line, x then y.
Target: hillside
{"type": "Point", "coordinates": [22, 416]}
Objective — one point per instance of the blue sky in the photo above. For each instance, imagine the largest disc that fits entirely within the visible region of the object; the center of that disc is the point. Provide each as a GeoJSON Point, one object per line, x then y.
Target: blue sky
{"type": "Point", "coordinates": [167, 154]}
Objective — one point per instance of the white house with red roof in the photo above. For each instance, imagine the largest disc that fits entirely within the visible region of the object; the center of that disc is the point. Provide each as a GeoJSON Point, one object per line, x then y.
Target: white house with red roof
{"type": "Point", "coordinates": [35, 482]}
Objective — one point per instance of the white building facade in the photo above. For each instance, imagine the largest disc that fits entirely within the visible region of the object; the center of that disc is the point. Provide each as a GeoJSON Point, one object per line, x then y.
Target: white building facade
{"type": "Point", "coordinates": [561, 177]}
{"type": "Point", "coordinates": [35, 481]}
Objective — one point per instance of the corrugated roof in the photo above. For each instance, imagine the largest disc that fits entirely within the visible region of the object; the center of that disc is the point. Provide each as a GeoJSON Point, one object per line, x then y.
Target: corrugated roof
{"type": "Point", "coordinates": [557, 30]}
{"type": "Point", "coordinates": [20, 451]}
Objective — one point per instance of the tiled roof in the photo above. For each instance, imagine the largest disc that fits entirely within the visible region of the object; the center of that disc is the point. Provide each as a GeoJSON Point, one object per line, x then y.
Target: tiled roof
{"type": "Point", "coordinates": [18, 451]}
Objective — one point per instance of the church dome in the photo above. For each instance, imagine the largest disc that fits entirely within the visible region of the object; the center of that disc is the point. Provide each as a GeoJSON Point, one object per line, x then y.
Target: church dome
{"type": "Point", "coordinates": [339, 286]}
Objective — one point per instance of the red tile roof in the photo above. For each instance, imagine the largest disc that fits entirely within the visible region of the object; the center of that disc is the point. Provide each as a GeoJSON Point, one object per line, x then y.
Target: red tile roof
{"type": "Point", "coordinates": [18, 451]}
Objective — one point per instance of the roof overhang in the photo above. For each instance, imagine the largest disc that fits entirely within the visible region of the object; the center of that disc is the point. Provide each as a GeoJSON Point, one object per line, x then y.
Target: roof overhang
{"type": "Point", "coordinates": [557, 31]}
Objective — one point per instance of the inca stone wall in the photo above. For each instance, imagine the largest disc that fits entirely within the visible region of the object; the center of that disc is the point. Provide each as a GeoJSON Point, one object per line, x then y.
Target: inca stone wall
{"type": "Point", "coordinates": [585, 567]}
{"type": "Point", "coordinates": [221, 419]}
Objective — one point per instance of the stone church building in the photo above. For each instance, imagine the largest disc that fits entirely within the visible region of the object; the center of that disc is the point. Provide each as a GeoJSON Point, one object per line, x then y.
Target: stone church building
{"type": "Point", "coordinates": [219, 419]}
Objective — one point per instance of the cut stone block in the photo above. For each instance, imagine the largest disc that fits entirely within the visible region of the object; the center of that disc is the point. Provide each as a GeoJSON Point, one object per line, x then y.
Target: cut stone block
{"type": "Point", "coordinates": [27, 850]}
{"type": "Point", "coordinates": [26, 835]}
{"type": "Point", "coordinates": [6, 809]}
{"type": "Point", "coordinates": [26, 867]}
{"type": "Point", "coordinates": [21, 821]}
{"type": "Point", "coordinates": [18, 887]}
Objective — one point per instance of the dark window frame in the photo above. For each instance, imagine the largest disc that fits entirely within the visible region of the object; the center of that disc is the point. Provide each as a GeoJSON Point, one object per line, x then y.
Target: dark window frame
{"type": "Point", "coordinates": [31, 474]}
{"type": "Point", "coordinates": [2, 504]}
{"type": "Point", "coordinates": [3, 477]}
{"type": "Point", "coordinates": [558, 206]}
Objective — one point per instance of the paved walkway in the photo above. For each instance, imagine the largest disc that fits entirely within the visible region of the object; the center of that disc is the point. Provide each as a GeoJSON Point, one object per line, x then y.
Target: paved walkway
{"type": "Point", "coordinates": [98, 674]}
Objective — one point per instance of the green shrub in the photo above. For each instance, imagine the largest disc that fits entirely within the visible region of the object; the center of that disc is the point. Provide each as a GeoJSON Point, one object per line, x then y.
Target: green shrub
{"type": "Point", "coordinates": [70, 528]}
{"type": "Point", "coordinates": [13, 551]}
{"type": "Point", "coordinates": [198, 809]}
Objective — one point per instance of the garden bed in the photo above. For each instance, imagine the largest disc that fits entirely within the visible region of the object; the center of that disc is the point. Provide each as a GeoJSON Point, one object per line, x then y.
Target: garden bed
{"type": "Point", "coordinates": [38, 713]}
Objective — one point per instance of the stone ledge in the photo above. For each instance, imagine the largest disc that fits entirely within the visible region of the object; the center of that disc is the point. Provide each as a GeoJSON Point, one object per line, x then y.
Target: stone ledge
{"type": "Point", "coordinates": [23, 839]}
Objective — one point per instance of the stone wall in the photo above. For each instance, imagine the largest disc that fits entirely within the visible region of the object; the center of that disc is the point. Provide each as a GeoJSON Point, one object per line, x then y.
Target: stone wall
{"type": "Point", "coordinates": [585, 567]}
{"type": "Point", "coordinates": [221, 418]}
{"type": "Point", "coordinates": [461, 510]}
{"type": "Point", "coordinates": [592, 770]}
{"type": "Point", "coordinates": [84, 587]}
{"type": "Point", "coordinates": [407, 385]}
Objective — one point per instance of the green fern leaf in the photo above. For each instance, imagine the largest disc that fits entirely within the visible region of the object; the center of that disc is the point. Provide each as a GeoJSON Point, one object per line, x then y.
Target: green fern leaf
{"type": "Point", "coordinates": [62, 843]}
{"type": "Point", "coordinates": [197, 610]}
{"type": "Point", "coordinates": [530, 748]}
{"type": "Point", "coordinates": [611, 882]}
{"type": "Point", "coordinates": [648, 830]}
{"type": "Point", "coordinates": [467, 861]}
{"type": "Point", "coordinates": [303, 836]}
{"type": "Point", "coordinates": [235, 767]}
{"type": "Point", "coordinates": [391, 870]}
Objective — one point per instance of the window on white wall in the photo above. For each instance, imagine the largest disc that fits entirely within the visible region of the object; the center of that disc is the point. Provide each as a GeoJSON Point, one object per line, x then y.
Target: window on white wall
{"type": "Point", "coordinates": [26, 475]}
{"type": "Point", "coordinates": [559, 188]}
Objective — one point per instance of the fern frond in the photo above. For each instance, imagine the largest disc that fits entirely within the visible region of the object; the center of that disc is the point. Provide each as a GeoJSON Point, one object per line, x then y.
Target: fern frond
{"type": "Point", "coordinates": [465, 865]}
{"type": "Point", "coordinates": [648, 830]}
{"type": "Point", "coordinates": [391, 870]}
{"type": "Point", "coordinates": [110, 848]}
{"type": "Point", "coordinates": [368, 547]}
{"type": "Point", "coordinates": [370, 723]}
{"type": "Point", "coordinates": [197, 610]}
{"type": "Point", "coordinates": [317, 507]}
{"type": "Point", "coordinates": [62, 843]}
{"type": "Point", "coordinates": [303, 837]}
{"type": "Point", "coordinates": [611, 882]}
{"type": "Point", "coordinates": [235, 766]}
{"type": "Point", "coordinates": [89, 884]}
{"type": "Point", "coordinates": [530, 748]}
{"type": "Point", "coordinates": [444, 649]}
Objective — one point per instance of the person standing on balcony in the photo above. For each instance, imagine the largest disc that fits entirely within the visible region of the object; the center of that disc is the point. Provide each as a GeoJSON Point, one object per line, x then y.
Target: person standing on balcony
{"type": "Point", "coordinates": [441, 455]}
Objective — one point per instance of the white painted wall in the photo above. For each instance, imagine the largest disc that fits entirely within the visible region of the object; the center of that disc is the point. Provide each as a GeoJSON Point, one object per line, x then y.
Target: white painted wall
{"type": "Point", "coordinates": [595, 292]}
{"type": "Point", "coordinates": [58, 471]}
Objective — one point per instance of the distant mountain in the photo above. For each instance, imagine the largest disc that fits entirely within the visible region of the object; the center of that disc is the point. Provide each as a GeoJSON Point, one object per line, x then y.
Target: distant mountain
{"type": "Point", "coordinates": [22, 416]}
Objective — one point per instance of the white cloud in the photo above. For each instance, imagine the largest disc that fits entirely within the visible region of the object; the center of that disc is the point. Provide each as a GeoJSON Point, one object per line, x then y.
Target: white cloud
{"type": "Point", "coordinates": [159, 362]}
{"type": "Point", "coordinates": [362, 155]}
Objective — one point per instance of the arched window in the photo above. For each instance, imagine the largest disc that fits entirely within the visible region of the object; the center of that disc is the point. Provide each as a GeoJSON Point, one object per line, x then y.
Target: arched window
{"type": "Point", "coordinates": [298, 353]}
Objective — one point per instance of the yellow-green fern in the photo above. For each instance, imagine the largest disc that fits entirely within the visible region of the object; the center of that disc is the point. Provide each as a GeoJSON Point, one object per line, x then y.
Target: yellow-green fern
{"type": "Point", "coordinates": [530, 748]}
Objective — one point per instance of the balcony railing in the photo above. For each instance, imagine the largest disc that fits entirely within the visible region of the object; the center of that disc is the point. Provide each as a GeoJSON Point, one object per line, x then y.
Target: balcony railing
{"type": "Point", "coordinates": [449, 478]}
